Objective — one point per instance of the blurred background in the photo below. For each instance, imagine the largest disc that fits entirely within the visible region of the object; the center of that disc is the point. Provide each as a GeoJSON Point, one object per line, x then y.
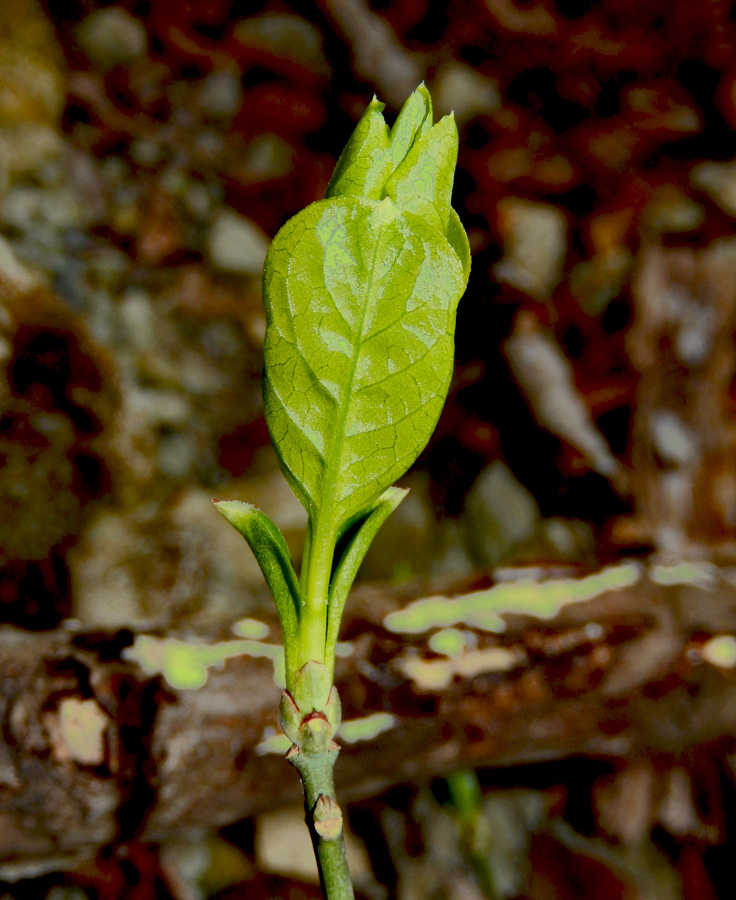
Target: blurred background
{"type": "Point", "coordinates": [149, 151]}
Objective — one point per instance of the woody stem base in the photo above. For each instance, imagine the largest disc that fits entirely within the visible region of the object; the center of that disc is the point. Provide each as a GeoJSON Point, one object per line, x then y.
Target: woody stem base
{"type": "Point", "coordinates": [324, 819]}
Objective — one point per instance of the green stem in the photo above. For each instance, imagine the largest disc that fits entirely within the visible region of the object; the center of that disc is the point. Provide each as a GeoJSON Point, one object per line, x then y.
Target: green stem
{"type": "Point", "coordinates": [475, 830]}
{"type": "Point", "coordinates": [324, 820]}
{"type": "Point", "coordinates": [313, 623]}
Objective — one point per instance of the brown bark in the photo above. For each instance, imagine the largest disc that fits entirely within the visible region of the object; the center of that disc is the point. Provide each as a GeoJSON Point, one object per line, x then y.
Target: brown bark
{"type": "Point", "coordinates": [618, 675]}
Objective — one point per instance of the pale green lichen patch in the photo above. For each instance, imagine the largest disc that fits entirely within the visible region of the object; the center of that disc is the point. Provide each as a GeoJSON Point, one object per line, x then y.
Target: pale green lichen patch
{"type": "Point", "coordinates": [484, 609]}
{"type": "Point", "coordinates": [351, 732]}
{"type": "Point", "coordinates": [437, 674]}
{"type": "Point", "coordinates": [251, 628]}
{"type": "Point", "coordinates": [449, 642]}
{"type": "Point", "coordinates": [720, 651]}
{"type": "Point", "coordinates": [367, 728]}
{"type": "Point", "coordinates": [273, 743]}
{"type": "Point", "coordinates": [185, 665]}
{"type": "Point", "coordinates": [699, 574]}
{"type": "Point", "coordinates": [83, 726]}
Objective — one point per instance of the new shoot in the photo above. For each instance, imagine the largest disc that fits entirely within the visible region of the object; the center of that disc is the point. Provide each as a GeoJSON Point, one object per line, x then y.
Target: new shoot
{"type": "Point", "coordinates": [361, 291]}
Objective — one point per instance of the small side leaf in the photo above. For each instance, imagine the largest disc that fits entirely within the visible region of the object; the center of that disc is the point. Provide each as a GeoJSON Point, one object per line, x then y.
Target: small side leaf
{"type": "Point", "coordinates": [273, 557]}
{"type": "Point", "coordinates": [347, 567]}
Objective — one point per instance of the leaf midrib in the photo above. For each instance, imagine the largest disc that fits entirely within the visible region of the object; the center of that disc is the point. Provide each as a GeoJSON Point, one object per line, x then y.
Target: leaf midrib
{"type": "Point", "coordinates": [334, 462]}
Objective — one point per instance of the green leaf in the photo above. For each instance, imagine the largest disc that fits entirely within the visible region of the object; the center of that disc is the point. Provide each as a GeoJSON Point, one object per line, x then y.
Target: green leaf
{"type": "Point", "coordinates": [365, 163]}
{"type": "Point", "coordinates": [414, 120]}
{"type": "Point", "coordinates": [352, 557]}
{"type": "Point", "coordinates": [273, 557]}
{"type": "Point", "coordinates": [414, 164]}
{"type": "Point", "coordinates": [422, 182]}
{"type": "Point", "coordinates": [372, 153]}
{"type": "Point", "coordinates": [459, 242]}
{"type": "Point", "coordinates": [360, 301]}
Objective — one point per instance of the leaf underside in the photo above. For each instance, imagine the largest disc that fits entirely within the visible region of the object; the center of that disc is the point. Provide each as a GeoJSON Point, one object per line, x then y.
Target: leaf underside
{"type": "Point", "coordinates": [360, 301]}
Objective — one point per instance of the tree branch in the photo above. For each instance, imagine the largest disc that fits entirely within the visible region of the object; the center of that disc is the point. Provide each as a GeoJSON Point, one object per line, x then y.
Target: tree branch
{"type": "Point", "coordinates": [613, 663]}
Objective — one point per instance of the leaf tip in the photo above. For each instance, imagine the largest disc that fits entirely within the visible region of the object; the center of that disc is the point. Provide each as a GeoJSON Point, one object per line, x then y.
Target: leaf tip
{"type": "Point", "coordinates": [232, 509]}
{"type": "Point", "coordinates": [394, 495]}
{"type": "Point", "coordinates": [375, 105]}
